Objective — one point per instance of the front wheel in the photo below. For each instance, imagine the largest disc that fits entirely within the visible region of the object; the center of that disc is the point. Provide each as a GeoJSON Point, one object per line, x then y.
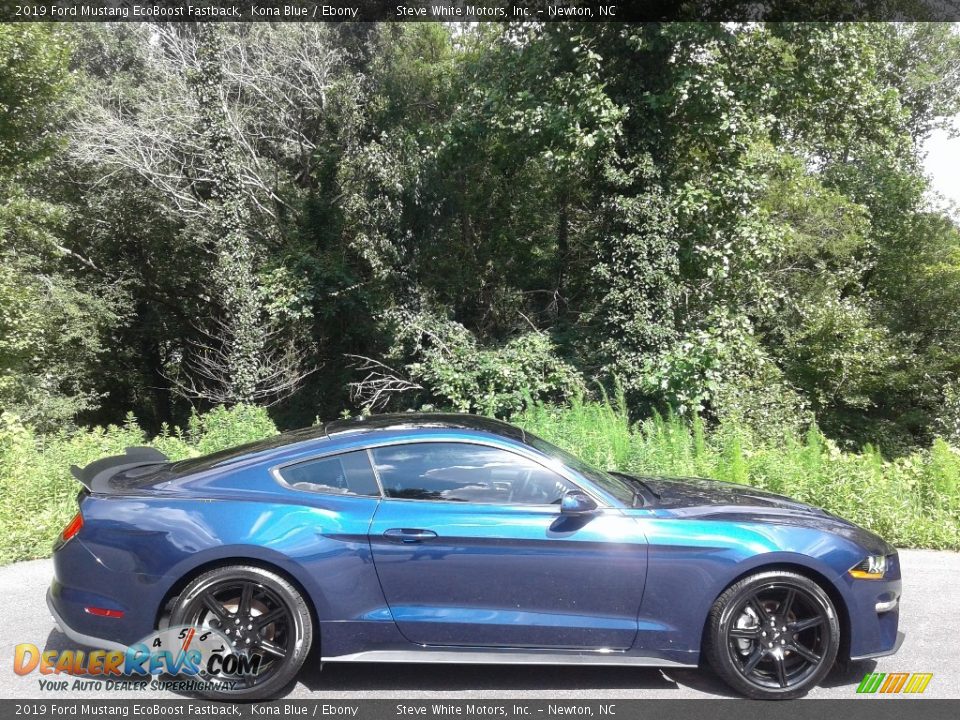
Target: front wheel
{"type": "Point", "coordinates": [773, 635]}
{"type": "Point", "coordinates": [258, 613]}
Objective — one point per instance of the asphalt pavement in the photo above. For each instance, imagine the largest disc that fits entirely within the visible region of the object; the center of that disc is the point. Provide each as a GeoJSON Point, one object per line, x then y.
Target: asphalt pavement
{"type": "Point", "coordinates": [930, 616]}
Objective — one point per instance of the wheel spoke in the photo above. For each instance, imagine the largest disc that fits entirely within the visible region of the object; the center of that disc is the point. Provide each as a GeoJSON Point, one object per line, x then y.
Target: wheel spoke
{"type": "Point", "coordinates": [214, 606]}
{"type": "Point", "coordinates": [787, 602]}
{"type": "Point", "coordinates": [246, 599]}
{"type": "Point", "coordinates": [271, 648]}
{"type": "Point", "coordinates": [806, 624]}
{"type": "Point", "coordinates": [807, 654]}
{"type": "Point", "coordinates": [752, 661]}
{"type": "Point", "coordinates": [745, 633]}
{"type": "Point", "coordinates": [757, 605]}
{"type": "Point", "coordinates": [781, 669]}
{"type": "Point", "coordinates": [261, 621]}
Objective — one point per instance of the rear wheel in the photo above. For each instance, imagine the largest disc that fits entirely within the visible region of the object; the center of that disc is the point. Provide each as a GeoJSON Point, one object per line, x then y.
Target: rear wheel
{"type": "Point", "coordinates": [258, 613]}
{"type": "Point", "coordinates": [773, 635]}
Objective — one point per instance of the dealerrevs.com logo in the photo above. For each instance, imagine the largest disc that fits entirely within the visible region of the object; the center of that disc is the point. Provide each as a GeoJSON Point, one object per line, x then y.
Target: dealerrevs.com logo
{"type": "Point", "coordinates": [894, 683]}
{"type": "Point", "coordinates": [202, 656]}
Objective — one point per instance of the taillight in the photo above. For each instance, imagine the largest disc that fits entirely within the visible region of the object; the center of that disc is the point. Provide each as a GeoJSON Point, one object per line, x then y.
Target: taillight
{"type": "Point", "coordinates": [72, 528]}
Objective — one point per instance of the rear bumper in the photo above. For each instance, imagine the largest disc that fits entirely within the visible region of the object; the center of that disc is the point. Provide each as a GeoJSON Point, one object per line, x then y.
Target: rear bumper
{"type": "Point", "coordinates": [81, 581]}
{"type": "Point", "coordinates": [76, 635]}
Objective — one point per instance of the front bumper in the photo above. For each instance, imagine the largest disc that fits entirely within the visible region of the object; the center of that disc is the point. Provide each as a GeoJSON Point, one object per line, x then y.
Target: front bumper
{"type": "Point", "coordinates": [883, 653]}
{"type": "Point", "coordinates": [874, 612]}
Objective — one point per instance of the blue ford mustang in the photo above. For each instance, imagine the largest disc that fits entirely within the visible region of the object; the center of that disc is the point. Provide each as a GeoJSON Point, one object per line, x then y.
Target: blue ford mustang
{"type": "Point", "coordinates": [453, 538]}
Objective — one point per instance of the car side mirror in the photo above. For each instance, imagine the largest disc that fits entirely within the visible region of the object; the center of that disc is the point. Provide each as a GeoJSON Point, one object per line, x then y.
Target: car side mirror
{"type": "Point", "coordinates": [577, 502]}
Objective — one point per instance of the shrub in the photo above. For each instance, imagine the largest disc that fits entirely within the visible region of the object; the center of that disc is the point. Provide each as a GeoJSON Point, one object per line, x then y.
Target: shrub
{"type": "Point", "coordinates": [222, 428]}
{"type": "Point", "coordinates": [913, 501]}
{"type": "Point", "coordinates": [37, 491]}
{"type": "Point", "coordinates": [438, 361]}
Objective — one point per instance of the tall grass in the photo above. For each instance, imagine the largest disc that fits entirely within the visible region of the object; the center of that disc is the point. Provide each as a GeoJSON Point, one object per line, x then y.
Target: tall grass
{"type": "Point", "coordinates": [37, 491]}
{"type": "Point", "coordinates": [913, 501]}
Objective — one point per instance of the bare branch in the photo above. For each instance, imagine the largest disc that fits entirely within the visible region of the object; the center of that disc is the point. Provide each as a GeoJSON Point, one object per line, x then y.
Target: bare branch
{"type": "Point", "coordinates": [205, 371]}
{"type": "Point", "coordinates": [380, 384]}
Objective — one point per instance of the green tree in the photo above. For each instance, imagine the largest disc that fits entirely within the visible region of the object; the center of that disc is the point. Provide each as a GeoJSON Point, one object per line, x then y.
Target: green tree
{"type": "Point", "coordinates": [52, 321]}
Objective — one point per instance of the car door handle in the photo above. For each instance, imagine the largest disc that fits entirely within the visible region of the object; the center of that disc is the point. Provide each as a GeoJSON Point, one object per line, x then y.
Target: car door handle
{"type": "Point", "coordinates": [408, 535]}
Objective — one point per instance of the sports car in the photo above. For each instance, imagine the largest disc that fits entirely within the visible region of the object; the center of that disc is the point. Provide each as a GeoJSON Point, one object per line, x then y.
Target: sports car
{"type": "Point", "coordinates": [441, 538]}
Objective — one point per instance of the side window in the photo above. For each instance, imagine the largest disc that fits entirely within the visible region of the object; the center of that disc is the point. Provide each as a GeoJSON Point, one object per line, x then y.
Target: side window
{"type": "Point", "coordinates": [461, 472]}
{"type": "Point", "coordinates": [346, 474]}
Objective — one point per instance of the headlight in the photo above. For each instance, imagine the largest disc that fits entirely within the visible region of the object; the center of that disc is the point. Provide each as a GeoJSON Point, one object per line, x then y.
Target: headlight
{"type": "Point", "coordinates": [873, 567]}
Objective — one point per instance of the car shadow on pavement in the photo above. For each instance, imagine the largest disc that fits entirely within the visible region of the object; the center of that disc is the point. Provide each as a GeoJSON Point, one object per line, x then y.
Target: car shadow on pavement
{"type": "Point", "coordinates": [848, 673]}
{"type": "Point", "coordinates": [354, 677]}
{"type": "Point", "coordinates": [57, 641]}
{"type": "Point", "coordinates": [374, 677]}
{"type": "Point", "coordinates": [360, 677]}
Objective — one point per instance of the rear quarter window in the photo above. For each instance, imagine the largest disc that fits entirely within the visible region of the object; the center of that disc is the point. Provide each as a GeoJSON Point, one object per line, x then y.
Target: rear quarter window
{"type": "Point", "coordinates": [345, 474]}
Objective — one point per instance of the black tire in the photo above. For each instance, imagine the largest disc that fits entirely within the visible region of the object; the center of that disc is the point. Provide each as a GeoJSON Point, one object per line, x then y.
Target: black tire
{"type": "Point", "coordinates": [772, 635]}
{"type": "Point", "coordinates": [247, 596]}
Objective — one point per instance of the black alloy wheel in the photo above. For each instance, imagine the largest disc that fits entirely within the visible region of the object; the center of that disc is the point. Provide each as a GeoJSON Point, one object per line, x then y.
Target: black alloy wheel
{"type": "Point", "coordinates": [258, 613]}
{"type": "Point", "coordinates": [773, 635]}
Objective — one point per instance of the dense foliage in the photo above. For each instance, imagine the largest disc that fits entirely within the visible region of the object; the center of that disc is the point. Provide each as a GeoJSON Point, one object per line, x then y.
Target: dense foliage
{"type": "Point", "coordinates": [913, 501]}
{"type": "Point", "coordinates": [38, 494]}
{"type": "Point", "coordinates": [729, 222]}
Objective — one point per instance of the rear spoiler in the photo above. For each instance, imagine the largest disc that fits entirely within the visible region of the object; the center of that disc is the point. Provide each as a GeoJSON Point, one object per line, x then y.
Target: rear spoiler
{"type": "Point", "coordinates": [96, 476]}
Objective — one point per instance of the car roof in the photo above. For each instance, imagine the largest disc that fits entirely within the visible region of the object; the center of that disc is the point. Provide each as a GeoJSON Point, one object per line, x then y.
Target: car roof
{"type": "Point", "coordinates": [351, 426]}
{"type": "Point", "coordinates": [416, 421]}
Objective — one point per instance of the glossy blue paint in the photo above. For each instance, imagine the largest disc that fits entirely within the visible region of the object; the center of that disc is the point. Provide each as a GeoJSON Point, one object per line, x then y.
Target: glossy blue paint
{"type": "Point", "coordinates": [511, 576]}
{"type": "Point", "coordinates": [396, 574]}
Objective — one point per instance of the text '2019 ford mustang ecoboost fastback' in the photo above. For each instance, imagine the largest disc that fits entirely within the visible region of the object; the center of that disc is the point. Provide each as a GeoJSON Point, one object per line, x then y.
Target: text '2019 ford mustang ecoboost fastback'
{"type": "Point", "coordinates": [452, 538]}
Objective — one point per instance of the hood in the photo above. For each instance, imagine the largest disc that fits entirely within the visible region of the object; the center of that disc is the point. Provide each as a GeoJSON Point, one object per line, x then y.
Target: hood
{"type": "Point", "coordinates": [698, 498]}
{"type": "Point", "coordinates": [682, 492]}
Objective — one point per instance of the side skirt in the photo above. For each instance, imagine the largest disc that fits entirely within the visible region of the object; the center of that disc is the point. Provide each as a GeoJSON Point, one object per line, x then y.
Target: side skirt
{"type": "Point", "coordinates": [505, 656]}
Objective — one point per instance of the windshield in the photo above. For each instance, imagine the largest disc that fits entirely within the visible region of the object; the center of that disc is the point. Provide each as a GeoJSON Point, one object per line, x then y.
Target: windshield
{"type": "Point", "coordinates": [621, 489]}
